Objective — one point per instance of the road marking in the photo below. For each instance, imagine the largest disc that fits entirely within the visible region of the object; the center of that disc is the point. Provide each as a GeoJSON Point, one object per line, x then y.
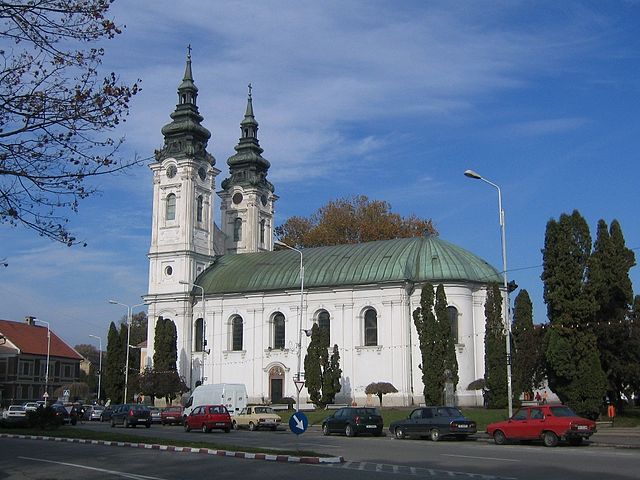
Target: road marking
{"type": "Point", "coordinates": [480, 458]}
{"type": "Point", "coordinates": [406, 470]}
{"type": "Point", "coordinates": [112, 472]}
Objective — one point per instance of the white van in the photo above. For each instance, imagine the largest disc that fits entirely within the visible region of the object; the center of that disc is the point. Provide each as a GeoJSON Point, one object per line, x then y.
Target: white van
{"type": "Point", "coordinates": [231, 395]}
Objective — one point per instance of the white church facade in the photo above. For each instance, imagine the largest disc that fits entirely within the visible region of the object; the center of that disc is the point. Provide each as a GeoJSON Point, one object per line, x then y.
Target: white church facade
{"type": "Point", "coordinates": [240, 308]}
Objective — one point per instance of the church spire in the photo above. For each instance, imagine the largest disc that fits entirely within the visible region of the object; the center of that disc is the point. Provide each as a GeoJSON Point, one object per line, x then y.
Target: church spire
{"type": "Point", "coordinates": [247, 167]}
{"type": "Point", "coordinates": [185, 136]}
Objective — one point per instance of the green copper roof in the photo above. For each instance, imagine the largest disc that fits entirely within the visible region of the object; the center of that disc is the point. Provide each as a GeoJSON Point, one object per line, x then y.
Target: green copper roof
{"type": "Point", "coordinates": [387, 261]}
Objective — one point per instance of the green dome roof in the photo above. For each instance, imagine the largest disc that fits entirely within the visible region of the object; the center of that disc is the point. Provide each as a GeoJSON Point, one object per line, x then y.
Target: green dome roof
{"type": "Point", "coordinates": [387, 261]}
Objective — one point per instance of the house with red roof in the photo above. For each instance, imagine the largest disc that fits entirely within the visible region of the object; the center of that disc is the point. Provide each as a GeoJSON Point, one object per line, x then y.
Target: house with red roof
{"type": "Point", "coordinates": [24, 349]}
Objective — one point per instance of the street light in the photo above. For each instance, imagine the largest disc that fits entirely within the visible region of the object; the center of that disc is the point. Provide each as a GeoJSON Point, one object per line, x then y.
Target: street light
{"type": "Point", "coordinates": [204, 323]}
{"type": "Point", "coordinates": [477, 176]}
{"type": "Point", "coordinates": [126, 368]}
{"type": "Point", "coordinates": [297, 381]}
{"type": "Point", "coordinates": [100, 367]}
{"type": "Point", "coordinates": [46, 371]}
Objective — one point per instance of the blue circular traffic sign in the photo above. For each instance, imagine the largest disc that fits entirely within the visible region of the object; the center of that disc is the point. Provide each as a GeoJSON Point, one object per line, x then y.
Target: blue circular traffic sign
{"type": "Point", "coordinates": [298, 423]}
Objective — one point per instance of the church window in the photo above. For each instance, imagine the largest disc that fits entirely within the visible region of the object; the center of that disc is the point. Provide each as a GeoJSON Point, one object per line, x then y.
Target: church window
{"type": "Point", "coordinates": [452, 312]}
{"type": "Point", "coordinates": [325, 326]}
{"type": "Point", "coordinates": [199, 336]}
{"type": "Point", "coordinates": [262, 227]}
{"type": "Point", "coordinates": [168, 270]}
{"type": "Point", "coordinates": [199, 208]}
{"type": "Point", "coordinates": [236, 334]}
{"type": "Point", "coordinates": [171, 207]}
{"type": "Point", "coordinates": [278, 331]}
{"type": "Point", "coordinates": [237, 230]}
{"type": "Point", "coordinates": [370, 328]}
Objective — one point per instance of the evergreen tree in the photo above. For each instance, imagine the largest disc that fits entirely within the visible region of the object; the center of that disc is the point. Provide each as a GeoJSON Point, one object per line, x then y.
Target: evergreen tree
{"type": "Point", "coordinates": [113, 378]}
{"type": "Point", "coordinates": [528, 349]}
{"type": "Point", "coordinates": [165, 356]}
{"type": "Point", "coordinates": [610, 285]}
{"type": "Point", "coordinates": [634, 346]}
{"type": "Point", "coordinates": [450, 362]}
{"type": "Point", "coordinates": [331, 378]}
{"type": "Point", "coordinates": [315, 361]}
{"type": "Point", "coordinates": [572, 359]}
{"type": "Point", "coordinates": [495, 352]}
{"type": "Point", "coordinates": [426, 326]}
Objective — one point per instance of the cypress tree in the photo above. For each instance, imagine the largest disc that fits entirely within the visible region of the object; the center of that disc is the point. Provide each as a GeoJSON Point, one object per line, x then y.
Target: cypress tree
{"type": "Point", "coordinates": [495, 352]}
{"type": "Point", "coordinates": [315, 362]}
{"type": "Point", "coordinates": [527, 352]}
{"type": "Point", "coordinates": [431, 350]}
{"type": "Point", "coordinates": [165, 356]}
{"type": "Point", "coordinates": [331, 378]}
{"type": "Point", "coordinates": [113, 378]}
{"type": "Point", "coordinates": [449, 360]}
{"type": "Point", "coordinates": [609, 283]}
{"type": "Point", "coordinates": [572, 359]}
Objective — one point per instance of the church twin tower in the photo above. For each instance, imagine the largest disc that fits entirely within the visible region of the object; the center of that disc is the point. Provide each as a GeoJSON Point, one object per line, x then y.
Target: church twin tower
{"type": "Point", "coordinates": [184, 238]}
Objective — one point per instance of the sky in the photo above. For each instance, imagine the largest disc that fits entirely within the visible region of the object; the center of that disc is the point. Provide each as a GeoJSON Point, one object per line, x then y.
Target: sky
{"type": "Point", "coordinates": [393, 100]}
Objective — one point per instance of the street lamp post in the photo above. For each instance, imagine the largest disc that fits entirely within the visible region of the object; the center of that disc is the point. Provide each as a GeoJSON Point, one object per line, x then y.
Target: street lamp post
{"type": "Point", "coordinates": [46, 371]}
{"type": "Point", "coordinates": [204, 323]}
{"type": "Point", "coordinates": [126, 367]}
{"type": "Point", "coordinates": [298, 374]}
{"type": "Point", "coordinates": [100, 366]}
{"type": "Point", "coordinates": [507, 320]}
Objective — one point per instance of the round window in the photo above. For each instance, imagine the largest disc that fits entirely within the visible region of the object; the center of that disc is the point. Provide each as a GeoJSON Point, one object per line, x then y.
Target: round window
{"type": "Point", "coordinates": [168, 270]}
{"type": "Point", "coordinates": [237, 198]}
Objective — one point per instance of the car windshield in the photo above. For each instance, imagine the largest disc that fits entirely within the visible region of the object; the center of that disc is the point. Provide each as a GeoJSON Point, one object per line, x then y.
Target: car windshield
{"type": "Point", "coordinates": [449, 412]}
{"type": "Point", "coordinates": [563, 411]}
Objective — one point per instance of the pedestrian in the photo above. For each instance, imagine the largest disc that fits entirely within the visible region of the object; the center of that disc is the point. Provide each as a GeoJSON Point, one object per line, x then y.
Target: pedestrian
{"type": "Point", "coordinates": [538, 397]}
{"type": "Point", "coordinates": [544, 397]}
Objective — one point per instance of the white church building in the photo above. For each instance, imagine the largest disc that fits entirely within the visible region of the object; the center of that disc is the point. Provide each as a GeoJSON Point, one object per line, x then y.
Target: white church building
{"type": "Point", "coordinates": [240, 308]}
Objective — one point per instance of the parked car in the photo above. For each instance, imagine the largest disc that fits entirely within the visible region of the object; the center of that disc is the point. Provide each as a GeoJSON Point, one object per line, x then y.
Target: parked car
{"type": "Point", "coordinates": [105, 416]}
{"type": "Point", "coordinates": [155, 415]}
{"type": "Point", "coordinates": [208, 417]}
{"type": "Point", "coordinates": [130, 415]}
{"type": "Point", "coordinates": [255, 417]}
{"type": "Point", "coordinates": [352, 421]}
{"type": "Point", "coordinates": [434, 422]}
{"type": "Point", "coordinates": [172, 414]}
{"type": "Point", "coordinates": [549, 423]}
{"type": "Point", "coordinates": [31, 406]}
{"type": "Point", "coordinates": [65, 414]}
{"type": "Point", "coordinates": [14, 411]}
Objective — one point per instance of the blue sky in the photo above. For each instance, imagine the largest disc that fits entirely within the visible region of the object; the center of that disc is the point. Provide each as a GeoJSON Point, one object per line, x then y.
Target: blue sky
{"type": "Point", "coordinates": [394, 100]}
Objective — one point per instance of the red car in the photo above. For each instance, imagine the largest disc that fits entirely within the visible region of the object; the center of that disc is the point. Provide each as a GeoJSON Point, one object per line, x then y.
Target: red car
{"type": "Point", "coordinates": [208, 417]}
{"type": "Point", "coordinates": [171, 415]}
{"type": "Point", "coordinates": [549, 423]}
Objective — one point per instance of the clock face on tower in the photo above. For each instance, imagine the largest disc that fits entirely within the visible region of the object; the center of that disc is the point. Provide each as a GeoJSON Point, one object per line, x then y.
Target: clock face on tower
{"type": "Point", "coordinates": [237, 198]}
{"type": "Point", "coordinates": [171, 171]}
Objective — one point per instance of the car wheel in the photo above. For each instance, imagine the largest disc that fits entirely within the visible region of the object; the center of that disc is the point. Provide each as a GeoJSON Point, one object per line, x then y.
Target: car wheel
{"type": "Point", "coordinates": [325, 430]}
{"type": "Point", "coordinates": [252, 426]}
{"type": "Point", "coordinates": [399, 433]}
{"type": "Point", "coordinates": [187, 428]}
{"type": "Point", "coordinates": [550, 439]}
{"type": "Point", "coordinates": [235, 425]}
{"type": "Point", "coordinates": [204, 428]}
{"type": "Point", "coordinates": [499, 437]}
{"type": "Point", "coordinates": [162, 423]}
{"type": "Point", "coordinates": [227, 430]}
{"type": "Point", "coordinates": [113, 423]}
{"type": "Point", "coordinates": [349, 431]}
{"type": "Point", "coordinates": [434, 435]}
{"type": "Point", "coordinates": [147, 425]}
{"type": "Point", "coordinates": [125, 424]}
{"type": "Point", "coordinates": [575, 442]}
{"type": "Point", "coordinates": [73, 421]}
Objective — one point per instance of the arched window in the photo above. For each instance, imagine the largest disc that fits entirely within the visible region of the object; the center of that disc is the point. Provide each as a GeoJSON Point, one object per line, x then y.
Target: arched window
{"type": "Point", "coordinates": [171, 207]}
{"type": "Point", "coordinates": [198, 345]}
{"type": "Point", "coordinates": [262, 226]}
{"type": "Point", "coordinates": [237, 230]}
{"type": "Point", "coordinates": [452, 312]}
{"type": "Point", "coordinates": [236, 334]}
{"type": "Point", "coordinates": [325, 326]}
{"type": "Point", "coordinates": [278, 331]}
{"type": "Point", "coordinates": [199, 208]}
{"type": "Point", "coordinates": [370, 328]}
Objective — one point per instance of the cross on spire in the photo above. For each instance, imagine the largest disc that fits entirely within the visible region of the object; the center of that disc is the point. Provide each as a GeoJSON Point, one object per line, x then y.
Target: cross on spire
{"type": "Point", "coordinates": [189, 51]}
{"type": "Point", "coordinates": [250, 87]}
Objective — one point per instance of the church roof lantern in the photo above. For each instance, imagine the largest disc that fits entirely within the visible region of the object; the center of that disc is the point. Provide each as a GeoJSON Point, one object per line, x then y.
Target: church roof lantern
{"type": "Point", "coordinates": [416, 260]}
{"type": "Point", "coordinates": [185, 136]}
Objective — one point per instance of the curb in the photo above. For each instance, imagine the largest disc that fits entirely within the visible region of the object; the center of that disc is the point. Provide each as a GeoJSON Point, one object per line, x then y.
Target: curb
{"type": "Point", "coordinates": [171, 448]}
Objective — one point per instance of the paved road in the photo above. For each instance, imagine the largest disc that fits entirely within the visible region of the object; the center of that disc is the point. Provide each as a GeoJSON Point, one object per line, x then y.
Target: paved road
{"type": "Point", "coordinates": [388, 455]}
